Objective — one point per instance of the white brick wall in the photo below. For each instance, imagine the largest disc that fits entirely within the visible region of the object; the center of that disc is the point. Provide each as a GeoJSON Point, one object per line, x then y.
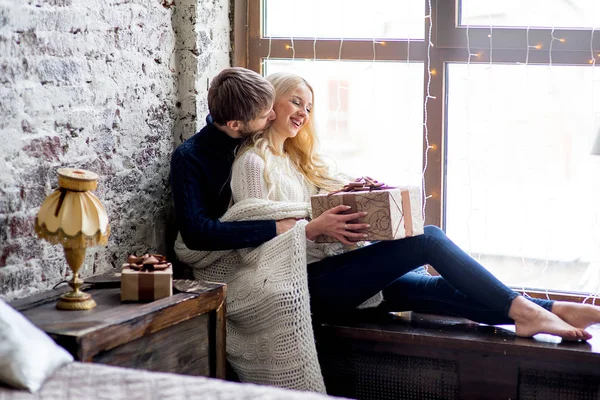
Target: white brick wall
{"type": "Point", "coordinates": [106, 85]}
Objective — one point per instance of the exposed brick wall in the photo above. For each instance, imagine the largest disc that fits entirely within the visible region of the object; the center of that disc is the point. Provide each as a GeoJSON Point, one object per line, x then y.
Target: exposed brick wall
{"type": "Point", "coordinates": [106, 85]}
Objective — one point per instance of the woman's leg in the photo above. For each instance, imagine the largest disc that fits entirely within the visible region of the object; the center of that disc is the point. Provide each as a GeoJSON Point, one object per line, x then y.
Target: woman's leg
{"type": "Point", "coordinates": [425, 293]}
{"type": "Point", "coordinates": [346, 280]}
{"type": "Point", "coordinates": [579, 315]}
{"type": "Point", "coordinates": [432, 291]}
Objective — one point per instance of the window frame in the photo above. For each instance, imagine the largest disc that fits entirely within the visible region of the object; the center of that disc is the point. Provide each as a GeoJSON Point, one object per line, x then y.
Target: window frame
{"type": "Point", "coordinates": [507, 45]}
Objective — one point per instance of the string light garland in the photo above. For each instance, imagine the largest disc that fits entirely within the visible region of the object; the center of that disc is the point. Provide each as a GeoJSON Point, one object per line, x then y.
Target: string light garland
{"type": "Point", "coordinates": [338, 90]}
{"type": "Point", "coordinates": [524, 262]}
{"type": "Point", "coordinates": [409, 109]}
{"type": "Point", "coordinates": [293, 49]}
{"type": "Point", "coordinates": [469, 132]}
{"type": "Point", "coordinates": [592, 58]}
{"type": "Point", "coordinates": [592, 61]}
{"type": "Point", "coordinates": [491, 110]}
{"type": "Point", "coordinates": [546, 260]}
{"type": "Point", "coordinates": [428, 97]}
{"type": "Point", "coordinates": [268, 57]}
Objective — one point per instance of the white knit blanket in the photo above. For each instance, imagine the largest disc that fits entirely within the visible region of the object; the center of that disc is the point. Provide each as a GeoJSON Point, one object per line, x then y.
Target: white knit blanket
{"type": "Point", "coordinates": [269, 332]}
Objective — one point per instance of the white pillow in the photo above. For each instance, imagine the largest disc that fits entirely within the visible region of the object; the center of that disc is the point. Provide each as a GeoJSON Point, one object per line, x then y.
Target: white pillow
{"type": "Point", "coordinates": [27, 355]}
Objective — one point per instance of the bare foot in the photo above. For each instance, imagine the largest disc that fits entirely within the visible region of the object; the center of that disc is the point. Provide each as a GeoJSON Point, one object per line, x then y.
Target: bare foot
{"type": "Point", "coordinates": [531, 319]}
{"type": "Point", "coordinates": [576, 314]}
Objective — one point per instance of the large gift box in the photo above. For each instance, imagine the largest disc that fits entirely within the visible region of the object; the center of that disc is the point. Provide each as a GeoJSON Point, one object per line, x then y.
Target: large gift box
{"type": "Point", "coordinates": [393, 213]}
{"type": "Point", "coordinates": [146, 280]}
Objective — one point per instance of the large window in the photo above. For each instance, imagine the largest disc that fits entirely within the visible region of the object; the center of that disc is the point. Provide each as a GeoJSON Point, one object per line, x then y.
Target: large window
{"type": "Point", "coordinates": [365, 112]}
{"type": "Point", "coordinates": [523, 191]}
{"type": "Point", "coordinates": [492, 105]}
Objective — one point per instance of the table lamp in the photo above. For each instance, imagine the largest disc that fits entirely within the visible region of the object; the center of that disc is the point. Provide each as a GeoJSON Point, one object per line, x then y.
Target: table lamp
{"type": "Point", "coordinates": [76, 219]}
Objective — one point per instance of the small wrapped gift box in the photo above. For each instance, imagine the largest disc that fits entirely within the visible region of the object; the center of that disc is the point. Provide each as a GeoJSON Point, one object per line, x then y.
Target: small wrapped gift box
{"type": "Point", "coordinates": [147, 278]}
{"type": "Point", "coordinates": [393, 213]}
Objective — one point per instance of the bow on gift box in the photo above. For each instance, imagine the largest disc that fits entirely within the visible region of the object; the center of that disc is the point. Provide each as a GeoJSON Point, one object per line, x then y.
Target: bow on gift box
{"type": "Point", "coordinates": [366, 183]}
{"type": "Point", "coordinates": [147, 262]}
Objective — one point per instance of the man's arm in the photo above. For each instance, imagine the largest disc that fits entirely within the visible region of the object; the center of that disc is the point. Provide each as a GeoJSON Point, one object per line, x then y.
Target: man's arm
{"type": "Point", "coordinates": [198, 230]}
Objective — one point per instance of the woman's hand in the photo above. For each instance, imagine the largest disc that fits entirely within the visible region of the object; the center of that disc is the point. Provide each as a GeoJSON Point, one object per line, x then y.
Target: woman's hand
{"type": "Point", "coordinates": [335, 224]}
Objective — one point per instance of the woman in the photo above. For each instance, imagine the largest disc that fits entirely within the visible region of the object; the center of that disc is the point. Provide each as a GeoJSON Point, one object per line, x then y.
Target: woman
{"type": "Point", "coordinates": [281, 164]}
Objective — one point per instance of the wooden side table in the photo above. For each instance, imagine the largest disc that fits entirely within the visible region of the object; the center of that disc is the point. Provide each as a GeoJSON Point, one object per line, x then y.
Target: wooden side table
{"type": "Point", "coordinates": [183, 334]}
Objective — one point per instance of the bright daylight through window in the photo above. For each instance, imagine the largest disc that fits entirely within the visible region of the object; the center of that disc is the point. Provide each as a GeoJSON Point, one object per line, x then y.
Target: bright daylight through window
{"type": "Point", "coordinates": [493, 105]}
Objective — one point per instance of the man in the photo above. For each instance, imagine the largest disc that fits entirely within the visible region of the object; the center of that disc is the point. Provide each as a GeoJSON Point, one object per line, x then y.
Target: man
{"type": "Point", "coordinates": [240, 103]}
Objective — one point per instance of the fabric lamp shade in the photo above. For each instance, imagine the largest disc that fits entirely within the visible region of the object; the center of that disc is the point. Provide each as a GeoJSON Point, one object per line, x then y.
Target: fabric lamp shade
{"type": "Point", "coordinates": [76, 219]}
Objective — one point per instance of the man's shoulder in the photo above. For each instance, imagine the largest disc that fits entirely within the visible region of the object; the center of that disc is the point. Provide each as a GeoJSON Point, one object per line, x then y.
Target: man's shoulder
{"type": "Point", "coordinates": [194, 144]}
{"type": "Point", "coordinates": [187, 154]}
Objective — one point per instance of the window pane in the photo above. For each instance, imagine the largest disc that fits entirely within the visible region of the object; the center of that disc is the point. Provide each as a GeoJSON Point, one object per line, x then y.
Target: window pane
{"type": "Point", "coordinates": [533, 13]}
{"type": "Point", "coordinates": [400, 19]}
{"type": "Point", "coordinates": [368, 115]}
{"type": "Point", "coordinates": [523, 189]}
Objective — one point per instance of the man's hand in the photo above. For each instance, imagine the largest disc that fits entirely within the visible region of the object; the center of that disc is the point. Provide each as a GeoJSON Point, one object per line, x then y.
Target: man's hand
{"type": "Point", "coordinates": [335, 224]}
{"type": "Point", "coordinates": [284, 225]}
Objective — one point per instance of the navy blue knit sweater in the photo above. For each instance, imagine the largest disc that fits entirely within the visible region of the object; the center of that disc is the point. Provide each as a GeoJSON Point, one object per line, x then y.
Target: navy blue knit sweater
{"type": "Point", "coordinates": [200, 177]}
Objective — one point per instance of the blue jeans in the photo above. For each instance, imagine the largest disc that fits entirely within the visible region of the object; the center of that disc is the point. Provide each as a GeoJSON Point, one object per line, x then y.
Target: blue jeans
{"type": "Point", "coordinates": [464, 288]}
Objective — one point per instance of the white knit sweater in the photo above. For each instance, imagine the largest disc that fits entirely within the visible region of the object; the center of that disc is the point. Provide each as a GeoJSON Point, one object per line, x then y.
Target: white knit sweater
{"type": "Point", "coordinates": [285, 182]}
{"type": "Point", "coordinates": [249, 180]}
{"type": "Point", "coordinates": [269, 330]}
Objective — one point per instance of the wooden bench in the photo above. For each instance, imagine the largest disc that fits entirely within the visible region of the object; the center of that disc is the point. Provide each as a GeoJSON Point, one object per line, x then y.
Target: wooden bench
{"type": "Point", "coordinates": [419, 356]}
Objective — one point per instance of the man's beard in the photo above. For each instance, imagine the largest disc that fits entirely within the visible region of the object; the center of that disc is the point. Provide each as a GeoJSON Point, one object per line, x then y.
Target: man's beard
{"type": "Point", "coordinates": [246, 132]}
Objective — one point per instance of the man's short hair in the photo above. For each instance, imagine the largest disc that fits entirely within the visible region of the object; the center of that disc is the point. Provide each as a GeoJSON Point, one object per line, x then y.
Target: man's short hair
{"type": "Point", "coordinates": [238, 94]}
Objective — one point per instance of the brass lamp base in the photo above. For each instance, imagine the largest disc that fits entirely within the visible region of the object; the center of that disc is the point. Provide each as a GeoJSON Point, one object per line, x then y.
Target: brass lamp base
{"type": "Point", "coordinates": [76, 300]}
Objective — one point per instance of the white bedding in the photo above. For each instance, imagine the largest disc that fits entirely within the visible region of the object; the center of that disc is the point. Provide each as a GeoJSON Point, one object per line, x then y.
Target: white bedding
{"type": "Point", "coordinates": [80, 381]}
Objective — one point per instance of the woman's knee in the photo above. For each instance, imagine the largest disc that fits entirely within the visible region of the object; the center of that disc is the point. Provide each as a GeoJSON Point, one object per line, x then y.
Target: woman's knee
{"type": "Point", "coordinates": [434, 231]}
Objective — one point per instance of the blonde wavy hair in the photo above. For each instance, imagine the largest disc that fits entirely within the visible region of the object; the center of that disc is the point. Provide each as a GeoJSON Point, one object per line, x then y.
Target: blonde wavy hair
{"type": "Point", "coordinates": [301, 149]}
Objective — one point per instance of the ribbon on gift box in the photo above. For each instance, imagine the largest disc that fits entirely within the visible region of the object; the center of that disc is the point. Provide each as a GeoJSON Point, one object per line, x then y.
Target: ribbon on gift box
{"type": "Point", "coordinates": [145, 285]}
{"type": "Point", "coordinates": [407, 213]}
{"type": "Point", "coordinates": [367, 183]}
